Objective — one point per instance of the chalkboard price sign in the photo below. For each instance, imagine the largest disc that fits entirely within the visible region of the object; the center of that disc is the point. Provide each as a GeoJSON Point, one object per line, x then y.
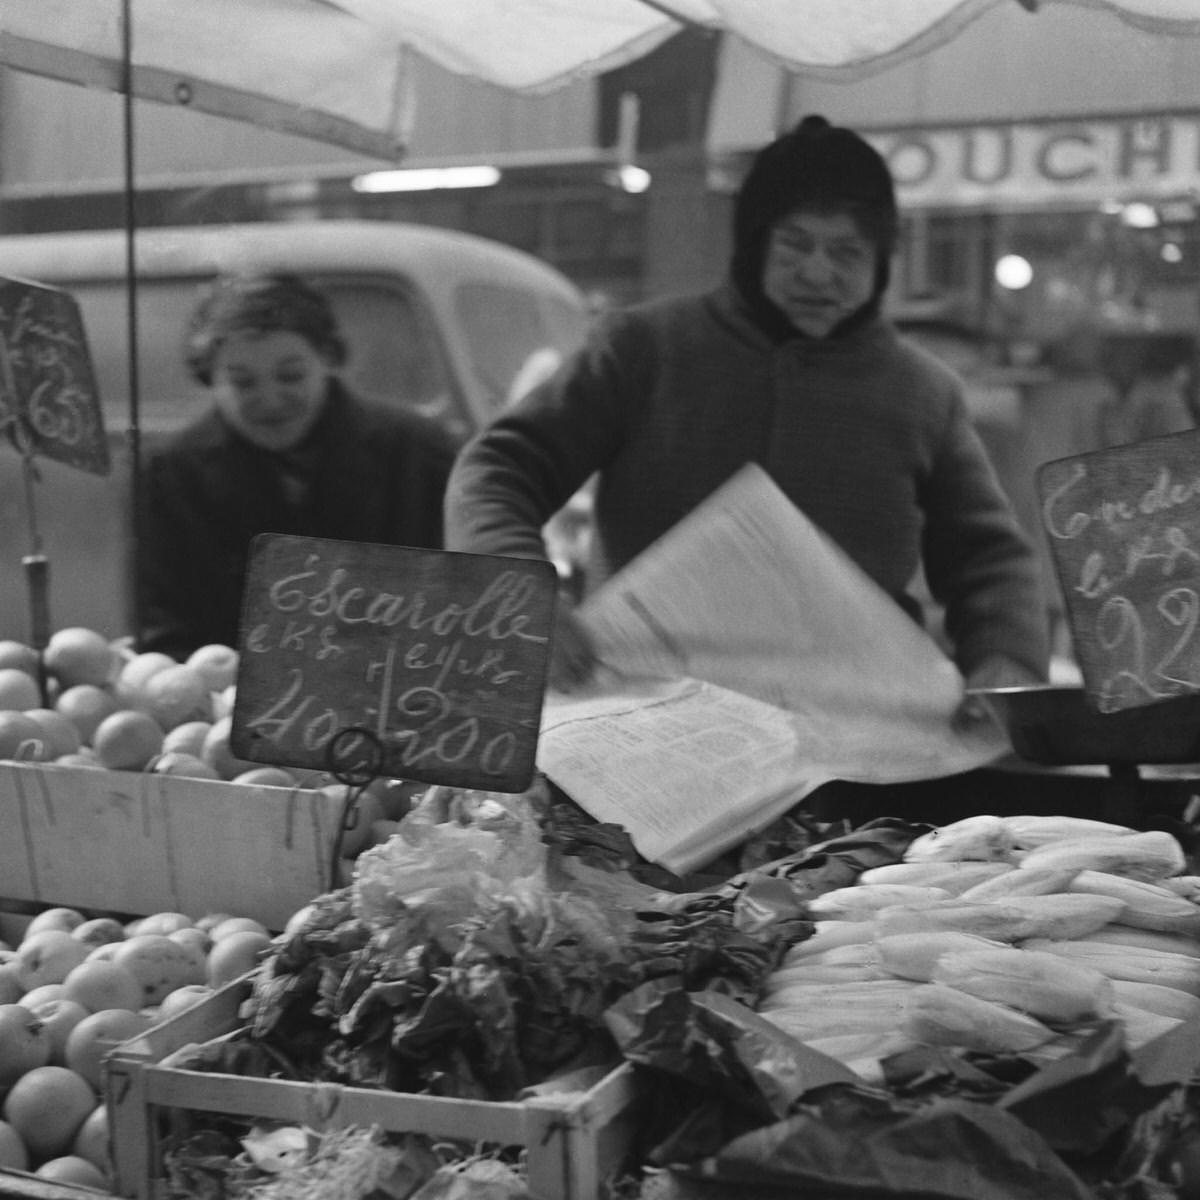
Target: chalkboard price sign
{"type": "Point", "coordinates": [415, 664]}
{"type": "Point", "coordinates": [49, 403]}
{"type": "Point", "coordinates": [1123, 526]}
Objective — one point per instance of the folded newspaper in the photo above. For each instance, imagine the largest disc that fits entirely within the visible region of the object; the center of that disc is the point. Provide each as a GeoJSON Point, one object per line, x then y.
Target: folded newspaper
{"type": "Point", "coordinates": [746, 660]}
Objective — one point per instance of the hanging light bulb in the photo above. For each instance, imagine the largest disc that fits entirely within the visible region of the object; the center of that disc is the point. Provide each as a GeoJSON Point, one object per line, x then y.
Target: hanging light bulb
{"type": "Point", "coordinates": [1013, 271]}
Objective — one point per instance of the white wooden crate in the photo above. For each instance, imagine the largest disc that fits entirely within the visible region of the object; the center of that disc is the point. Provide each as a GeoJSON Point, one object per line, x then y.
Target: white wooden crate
{"type": "Point", "coordinates": [140, 843]}
{"type": "Point", "coordinates": [574, 1141]}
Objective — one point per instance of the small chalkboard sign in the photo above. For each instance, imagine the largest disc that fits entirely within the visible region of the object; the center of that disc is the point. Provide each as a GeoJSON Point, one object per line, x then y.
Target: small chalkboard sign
{"type": "Point", "coordinates": [1123, 526]}
{"type": "Point", "coordinates": [49, 403]}
{"type": "Point", "coordinates": [365, 659]}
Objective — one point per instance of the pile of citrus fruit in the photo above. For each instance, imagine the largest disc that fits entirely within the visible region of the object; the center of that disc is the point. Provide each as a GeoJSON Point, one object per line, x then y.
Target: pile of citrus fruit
{"type": "Point", "coordinates": [108, 707]}
{"type": "Point", "coordinates": [71, 989]}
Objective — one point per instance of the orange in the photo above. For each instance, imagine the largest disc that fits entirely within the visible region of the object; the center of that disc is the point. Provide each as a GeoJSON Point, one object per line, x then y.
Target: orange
{"type": "Point", "coordinates": [223, 702]}
{"type": "Point", "coordinates": [71, 1168]}
{"type": "Point", "coordinates": [187, 738]}
{"type": "Point", "coordinates": [59, 733]}
{"type": "Point", "coordinates": [188, 765]}
{"type": "Point", "coordinates": [18, 689]}
{"type": "Point", "coordinates": [77, 655]}
{"type": "Point", "coordinates": [218, 755]}
{"type": "Point", "coordinates": [177, 694]}
{"type": "Point", "coordinates": [94, 1038]}
{"type": "Point", "coordinates": [19, 655]}
{"type": "Point", "coordinates": [82, 758]}
{"type": "Point", "coordinates": [86, 705]}
{"type": "Point", "coordinates": [266, 777]}
{"type": "Point", "coordinates": [127, 740]}
{"type": "Point", "coordinates": [20, 737]}
{"type": "Point", "coordinates": [13, 1155]}
{"type": "Point", "coordinates": [98, 985]}
{"type": "Point", "coordinates": [134, 675]}
{"type": "Point", "coordinates": [217, 663]}
{"type": "Point", "coordinates": [47, 1107]}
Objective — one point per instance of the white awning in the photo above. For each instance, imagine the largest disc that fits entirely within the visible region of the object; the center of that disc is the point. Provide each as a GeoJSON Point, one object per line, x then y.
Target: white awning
{"type": "Point", "coordinates": [335, 70]}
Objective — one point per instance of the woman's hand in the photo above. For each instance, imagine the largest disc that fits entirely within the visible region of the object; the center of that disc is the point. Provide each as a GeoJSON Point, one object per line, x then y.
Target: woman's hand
{"type": "Point", "coordinates": [572, 655]}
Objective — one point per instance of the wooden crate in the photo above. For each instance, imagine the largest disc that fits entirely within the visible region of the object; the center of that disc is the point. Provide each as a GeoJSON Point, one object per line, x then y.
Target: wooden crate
{"type": "Point", "coordinates": [21, 1185]}
{"type": "Point", "coordinates": [574, 1141]}
{"type": "Point", "coordinates": [140, 843]}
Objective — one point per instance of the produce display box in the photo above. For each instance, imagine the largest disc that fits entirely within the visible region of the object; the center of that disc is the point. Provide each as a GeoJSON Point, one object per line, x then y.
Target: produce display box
{"type": "Point", "coordinates": [574, 1141]}
{"type": "Point", "coordinates": [21, 1185]}
{"type": "Point", "coordinates": [141, 843]}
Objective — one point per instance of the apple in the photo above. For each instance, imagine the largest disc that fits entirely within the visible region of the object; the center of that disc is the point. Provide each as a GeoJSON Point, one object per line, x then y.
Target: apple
{"type": "Point", "coordinates": [11, 988]}
{"type": "Point", "coordinates": [58, 1018]}
{"type": "Point", "coordinates": [233, 925]}
{"type": "Point", "coordinates": [210, 921]}
{"type": "Point", "coordinates": [24, 1043]}
{"type": "Point", "coordinates": [90, 1042]}
{"type": "Point", "coordinates": [193, 939]}
{"type": "Point", "coordinates": [234, 955]}
{"type": "Point", "coordinates": [99, 931]}
{"type": "Point", "coordinates": [195, 960]}
{"type": "Point", "coordinates": [47, 957]}
{"type": "Point", "coordinates": [43, 992]}
{"type": "Point", "coordinates": [159, 964]}
{"type": "Point", "coordinates": [164, 922]}
{"type": "Point", "coordinates": [66, 919]}
{"type": "Point", "coordinates": [182, 998]}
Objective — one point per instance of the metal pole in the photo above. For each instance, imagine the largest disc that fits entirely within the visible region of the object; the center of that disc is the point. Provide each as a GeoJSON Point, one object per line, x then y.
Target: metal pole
{"type": "Point", "coordinates": [134, 435]}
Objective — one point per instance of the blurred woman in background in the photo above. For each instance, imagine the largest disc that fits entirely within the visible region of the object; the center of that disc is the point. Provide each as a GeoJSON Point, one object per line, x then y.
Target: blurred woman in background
{"type": "Point", "coordinates": [284, 447]}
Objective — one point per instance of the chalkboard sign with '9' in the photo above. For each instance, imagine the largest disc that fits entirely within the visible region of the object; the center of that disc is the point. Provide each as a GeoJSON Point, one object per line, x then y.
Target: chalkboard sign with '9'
{"type": "Point", "coordinates": [364, 659]}
{"type": "Point", "coordinates": [1123, 527]}
{"type": "Point", "coordinates": [49, 403]}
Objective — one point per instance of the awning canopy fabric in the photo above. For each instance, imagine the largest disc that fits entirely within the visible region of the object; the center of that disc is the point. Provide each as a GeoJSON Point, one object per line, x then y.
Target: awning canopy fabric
{"type": "Point", "coordinates": [336, 70]}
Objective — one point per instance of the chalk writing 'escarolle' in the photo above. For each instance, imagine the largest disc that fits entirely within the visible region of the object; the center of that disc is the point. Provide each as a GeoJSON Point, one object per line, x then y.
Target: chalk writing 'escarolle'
{"type": "Point", "coordinates": [496, 613]}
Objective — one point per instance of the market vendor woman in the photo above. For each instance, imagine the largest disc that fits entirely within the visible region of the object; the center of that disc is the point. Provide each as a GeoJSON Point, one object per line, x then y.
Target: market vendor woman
{"type": "Point", "coordinates": [285, 447]}
{"type": "Point", "coordinates": [789, 364]}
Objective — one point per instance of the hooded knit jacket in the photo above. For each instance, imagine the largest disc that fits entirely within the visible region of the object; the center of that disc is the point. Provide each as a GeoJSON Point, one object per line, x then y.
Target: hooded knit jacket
{"type": "Point", "coordinates": [865, 432]}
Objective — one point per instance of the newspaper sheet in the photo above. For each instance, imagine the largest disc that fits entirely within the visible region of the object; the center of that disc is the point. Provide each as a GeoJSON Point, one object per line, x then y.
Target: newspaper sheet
{"type": "Point", "coordinates": [747, 660]}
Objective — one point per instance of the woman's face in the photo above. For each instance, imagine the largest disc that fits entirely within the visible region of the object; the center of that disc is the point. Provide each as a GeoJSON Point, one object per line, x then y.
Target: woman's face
{"type": "Point", "coordinates": [270, 386]}
{"type": "Point", "coordinates": [818, 270]}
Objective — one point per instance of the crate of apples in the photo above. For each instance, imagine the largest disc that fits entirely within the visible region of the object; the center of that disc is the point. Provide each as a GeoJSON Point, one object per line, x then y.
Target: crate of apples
{"type": "Point", "coordinates": [71, 989]}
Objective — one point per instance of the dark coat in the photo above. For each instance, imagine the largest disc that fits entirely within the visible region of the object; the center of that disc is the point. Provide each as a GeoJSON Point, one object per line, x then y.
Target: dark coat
{"type": "Point", "coordinates": [864, 432]}
{"type": "Point", "coordinates": [378, 475]}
